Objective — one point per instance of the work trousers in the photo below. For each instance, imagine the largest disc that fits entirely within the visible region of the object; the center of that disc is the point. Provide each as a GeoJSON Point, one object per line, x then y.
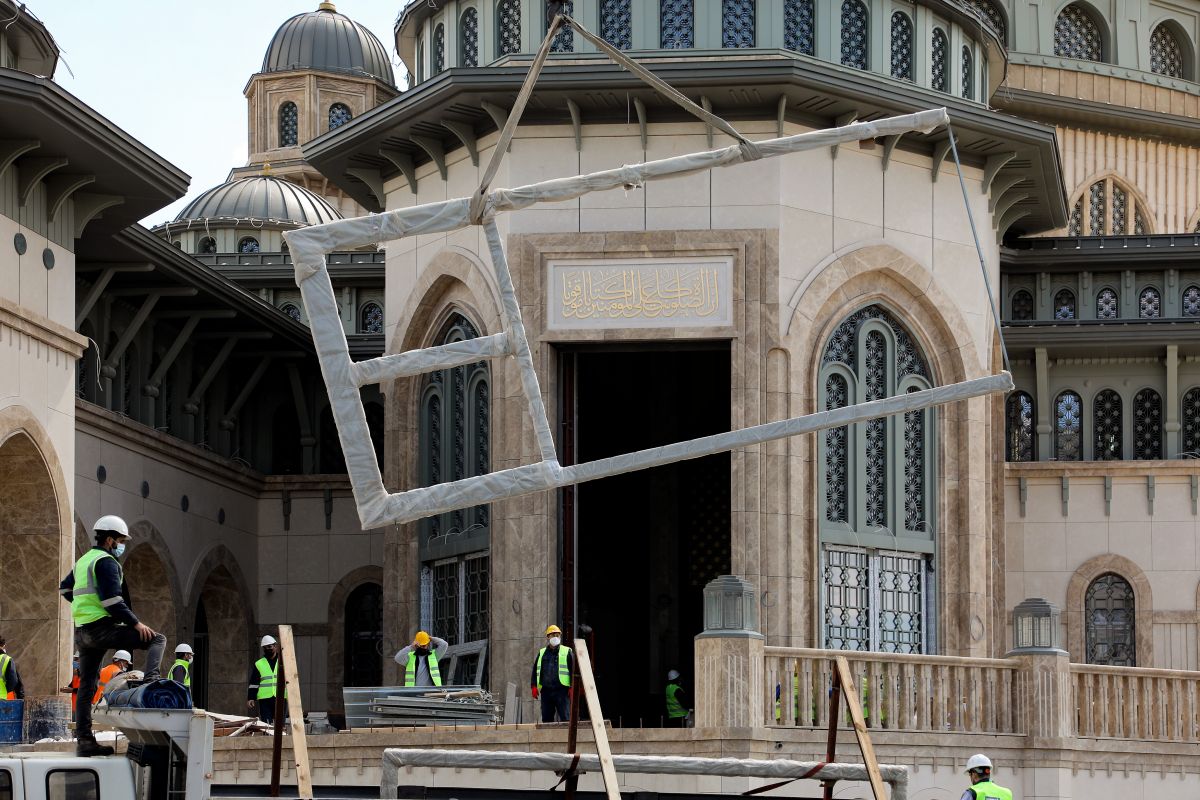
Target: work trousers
{"type": "Point", "coordinates": [266, 709]}
{"type": "Point", "coordinates": [556, 702]}
{"type": "Point", "coordinates": [94, 641]}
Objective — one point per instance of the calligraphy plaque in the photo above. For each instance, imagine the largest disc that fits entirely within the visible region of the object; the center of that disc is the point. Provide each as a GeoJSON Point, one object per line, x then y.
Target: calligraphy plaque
{"type": "Point", "coordinates": [685, 292]}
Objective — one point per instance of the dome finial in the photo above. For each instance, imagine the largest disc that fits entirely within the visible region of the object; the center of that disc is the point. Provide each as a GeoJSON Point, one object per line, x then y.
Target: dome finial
{"type": "Point", "coordinates": [266, 168]}
{"type": "Point", "coordinates": [327, 6]}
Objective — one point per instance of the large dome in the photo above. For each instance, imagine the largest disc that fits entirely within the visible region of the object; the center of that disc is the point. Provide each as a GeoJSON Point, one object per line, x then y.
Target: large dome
{"type": "Point", "coordinates": [328, 41]}
{"type": "Point", "coordinates": [261, 198]}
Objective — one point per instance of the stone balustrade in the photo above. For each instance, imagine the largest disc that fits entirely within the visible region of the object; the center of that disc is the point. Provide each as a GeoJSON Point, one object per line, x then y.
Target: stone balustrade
{"type": "Point", "coordinates": [1136, 703]}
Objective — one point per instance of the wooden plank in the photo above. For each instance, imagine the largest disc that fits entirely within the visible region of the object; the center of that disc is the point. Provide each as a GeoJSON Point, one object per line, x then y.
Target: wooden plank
{"type": "Point", "coordinates": [860, 729]}
{"type": "Point", "coordinates": [584, 663]}
{"type": "Point", "coordinates": [295, 713]}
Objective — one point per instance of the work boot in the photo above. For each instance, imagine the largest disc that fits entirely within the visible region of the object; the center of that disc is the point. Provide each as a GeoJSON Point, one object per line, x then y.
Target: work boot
{"type": "Point", "coordinates": [86, 748]}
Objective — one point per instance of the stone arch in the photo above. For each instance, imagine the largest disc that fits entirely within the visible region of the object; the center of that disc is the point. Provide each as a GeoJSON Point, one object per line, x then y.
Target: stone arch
{"type": "Point", "coordinates": [1178, 28]}
{"type": "Point", "coordinates": [1143, 597]}
{"type": "Point", "coordinates": [336, 667]}
{"type": "Point", "coordinates": [223, 657]}
{"type": "Point", "coordinates": [83, 538]}
{"type": "Point", "coordinates": [36, 535]}
{"type": "Point", "coordinates": [1080, 193]}
{"type": "Point", "coordinates": [154, 583]}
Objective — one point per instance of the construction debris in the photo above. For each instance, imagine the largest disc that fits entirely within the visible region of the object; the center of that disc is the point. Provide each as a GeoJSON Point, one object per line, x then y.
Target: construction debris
{"type": "Point", "coordinates": [393, 706]}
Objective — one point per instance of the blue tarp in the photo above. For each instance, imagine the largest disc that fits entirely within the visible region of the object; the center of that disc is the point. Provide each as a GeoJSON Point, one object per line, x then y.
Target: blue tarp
{"type": "Point", "coordinates": [157, 694]}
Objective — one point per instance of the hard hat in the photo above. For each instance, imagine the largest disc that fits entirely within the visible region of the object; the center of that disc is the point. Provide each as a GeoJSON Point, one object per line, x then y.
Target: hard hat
{"type": "Point", "coordinates": [978, 761]}
{"type": "Point", "coordinates": [553, 629]}
{"type": "Point", "coordinates": [122, 655]}
{"type": "Point", "coordinates": [184, 648]}
{"type": "Point", "coordinates": [422, 639]}
{"type": "Point", "coordinates": [111, 523]}
{"type": "Point", "coordinates": [266, 640]}
{"type": "Point", "coordinates": [673, 675]}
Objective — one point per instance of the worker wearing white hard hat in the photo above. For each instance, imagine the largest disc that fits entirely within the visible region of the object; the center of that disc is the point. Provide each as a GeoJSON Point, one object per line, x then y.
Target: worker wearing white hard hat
{"type": "Point", "coordinates": [181, 670]}
{"type": "Point", "coordinates": [264, 680]}
{"type": "Point", "coordinates": [122, 660]}
{"type": "Point", "coordinates": [676, 695]}
{"type": "Point", "coordinates": [979, 770]}
{"type": "Point", "coordinates": [104, 621]}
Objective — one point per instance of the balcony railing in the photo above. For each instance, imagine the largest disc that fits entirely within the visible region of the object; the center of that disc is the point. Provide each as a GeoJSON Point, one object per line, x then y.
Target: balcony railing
{"type": "Point", "coordinates": [1136, 703]}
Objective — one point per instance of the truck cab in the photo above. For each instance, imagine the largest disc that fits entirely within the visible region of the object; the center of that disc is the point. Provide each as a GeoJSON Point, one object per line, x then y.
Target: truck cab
{"type": "Point", "coordinates": [61, 776]}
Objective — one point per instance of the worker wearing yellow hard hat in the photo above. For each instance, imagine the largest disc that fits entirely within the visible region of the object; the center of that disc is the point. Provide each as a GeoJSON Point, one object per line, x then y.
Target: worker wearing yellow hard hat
{"type": "Point", "coordinates": [551, 678]}
{"type": "Point", "coordinates": [420, 660]}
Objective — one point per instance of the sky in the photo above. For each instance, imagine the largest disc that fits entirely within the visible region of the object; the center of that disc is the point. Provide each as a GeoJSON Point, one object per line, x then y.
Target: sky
{"type": "Point", "coordinates": [171, 72]}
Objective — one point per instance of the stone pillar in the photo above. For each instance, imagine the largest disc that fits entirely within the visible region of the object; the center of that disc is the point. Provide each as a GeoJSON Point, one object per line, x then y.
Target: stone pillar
{"type": "Point", "coordinates": [730, 663]}
{"type": "Point", "coordinates": [1172, 425]}
{"type": "Point", "coordinates": [1047, 706]}
{"type": "Point", "coordinates": [1043, 403]}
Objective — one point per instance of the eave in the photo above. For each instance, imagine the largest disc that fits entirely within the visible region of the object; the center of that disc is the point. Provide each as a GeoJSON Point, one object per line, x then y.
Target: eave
{"type": "Point", "coordinates": [1110, 337]}
{"type": "Point", "coordinates": [1100, 253]}
{"type": "Point", "coordinates": [1099, 115]}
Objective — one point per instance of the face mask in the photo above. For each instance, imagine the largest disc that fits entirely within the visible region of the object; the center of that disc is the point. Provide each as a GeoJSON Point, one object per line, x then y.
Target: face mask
{"type": "Point", "coordinates": [555, 641]}
{"type": "Point", "coordinates": [119, 550]}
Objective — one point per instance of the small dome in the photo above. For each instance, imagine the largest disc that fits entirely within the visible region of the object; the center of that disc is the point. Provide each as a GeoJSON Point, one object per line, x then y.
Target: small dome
{"type": "Point", "coordinates": [261, 197]}
{"type": "Point", "coordinates": [328, 41]}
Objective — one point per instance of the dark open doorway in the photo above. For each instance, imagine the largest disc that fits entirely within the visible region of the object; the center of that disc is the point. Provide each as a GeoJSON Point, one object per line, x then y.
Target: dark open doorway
{"type": "Point", "coordinates": [644, 544]}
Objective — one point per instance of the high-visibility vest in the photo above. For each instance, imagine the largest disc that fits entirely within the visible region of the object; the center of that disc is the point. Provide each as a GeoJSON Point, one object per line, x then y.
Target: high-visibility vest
{"type": "Point", "coordinates": [564, 669]}
{"type": "Point", "coordinates": [410, 669]}
{"type": "Point", "coordinates": [106, 675]}
{"type": "Point", "coordinates": [85, 603]}
{"type": "Point", "coordinates": [5, 660]}
{"type": "Point", "coordinates": [675, 709]}
{"type": "Point", "coordinates": [986, 790]}
{"type": "Point", "coordinates": [187, 670]}
{"type": "Point", "coordinates": [266, 678]}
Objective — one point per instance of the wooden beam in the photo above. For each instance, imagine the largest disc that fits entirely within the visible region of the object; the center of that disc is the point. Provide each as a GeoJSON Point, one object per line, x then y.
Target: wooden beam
{"type": "Point", "coordinates": [435, 150]}
{"type": "Point", "coordinates": [466, 135]}
{"type": "Point", "coordinates": [287, 652]}
{"type": "Point", "coordinates": [32, 171]}
{"type": "Point", "coordinates": [584, 662]}
{"type": "Point", "coordinates": [403, 162]}
{"type": "Point", "coordinates": [860, 726]}
{"type": "Point", "coordinates": [12, 149]}
{"type": "Point", "coordinates": [59, 188]}
{"type": "Point", "coordinates": [88, 207]}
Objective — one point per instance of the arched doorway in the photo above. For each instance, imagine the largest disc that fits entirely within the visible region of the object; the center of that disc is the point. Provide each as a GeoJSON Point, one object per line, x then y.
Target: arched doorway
{"type": "Point", "coordinates": [221, 629]}
{"type": "Point", "coordinates": [364, 636]}
{"type": "Point", "coordinates": [152, 591]}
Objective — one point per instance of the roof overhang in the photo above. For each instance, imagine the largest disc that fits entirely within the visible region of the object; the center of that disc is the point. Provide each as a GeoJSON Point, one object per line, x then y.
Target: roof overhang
{"type": "Point", "coordinates": [806, 90]}
{"type": "Point", "coordinates": [1100, 253]}
{"type": "Point", "coordinates": [1102, 339]}
{"type": "Point", "coordinates": [1096, 114]}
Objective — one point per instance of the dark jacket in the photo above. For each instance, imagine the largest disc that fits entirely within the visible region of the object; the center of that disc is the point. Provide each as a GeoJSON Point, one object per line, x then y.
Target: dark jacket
{"type": "Point", "coordinates": [109, 588]}
{"type": "Point", "coordinates": [13, 680]}
{"type": "Point", "coordinates": [550, 681]}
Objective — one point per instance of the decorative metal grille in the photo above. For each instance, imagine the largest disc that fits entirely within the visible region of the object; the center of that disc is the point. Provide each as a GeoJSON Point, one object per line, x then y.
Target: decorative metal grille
{"type": "Point", "coordinates": [1191, 422]}
{"type": "Point", "coordinates": [458, 463]}
{"type": "Point", "coordinates": [288, 117]}
{"type": "Point", "coordinates": [1119, 203]}
{"type": "Point", "coordinates": [901, 602]}
{"type": "Point", "coordinates": [1106, 419]}
{"type": "Point", "coordinates": [842, 345]}
{"type": "Point", "coordinates": [339, 115]}
{"type": "Point", "coordinates": [902, 46]}
{"type": "Point", "coordinates": [292, 310]}
{"type": "Point", "coordinates": [564, 40]}
{"type": "Point", "coordinates": [968, 83]}
{"type": "Point", "coordinates": [677, 24]}
{"type": "Point", "coordinates": [1149, 303]}
{"type": "Point", "coordinates": [616, 23]}
{"type": "Point", "coordinates": [914, 470]}
{"type": "Point", "coordinates": [877, 450]}
{"type": "Point", "coordinates": [475, 591]}
{"type": "Point", "coordinates": [1191, 301]}
{"type": "Point", "coordinates": [248, 244]}
{"type": "Point", "coordinates": [1147, 425]}
{"type": "Point", "coordinates": [1064, 304]}
{"type": "Point", "coordinates": [990, 16]}
{"type": "Point", "coordinates": [874, 600]}
{"type": "Point", "coordinates": [468, 38]}
{"type": "Point", "coordinates": [433, 449]}
{"type": "Point", "coordinates": [445, 600]}
{"type": "Point", "coordinates": [482, 443]}
{"type": "Point", "coordinates": [1096, 209]}
{"type": "Point", "coordinates": [737, 23]}
{"type": "Point", "coordinates": [1139, 222]}
{"type": "Point", "coordinates": [837, 455]}
{"type": "Point", "coordinates": [1076, 35]}
{"type": "Point", "coordinates": [799, 26]}
{"type": "Point", "coordinates": [439, 48]}
{"type": "Point", "coordinates": [372, 318]}
{"type": "Point", "coordinates": [847, 579]}
{"type": "Point", "coordinates": [1075, 223]}
{"type": "Point", "coordinates": [1018, 427]}
{"type": "Point", "coordinates": [1022, 306]}
{"type": "Point", "coordinates": [856, 45]}
{"type": "Point", "coordinates": [508, 27]}
{"type": "Point", "coordinates": [939, 80]}
{"type": "Point", "coordinates": [1109, 615]}
{"type": "Point", "coordinates": [1166, 54]}
{"type": "Point", "coordinates": [1068, 441]}
{"type": "Point", "coordinates": [208, 245]}
{"type": "Point", "coordinates": [1107, 304]}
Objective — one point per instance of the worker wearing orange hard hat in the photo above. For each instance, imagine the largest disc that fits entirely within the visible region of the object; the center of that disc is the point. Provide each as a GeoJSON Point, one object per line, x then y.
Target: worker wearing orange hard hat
{"type": "Point", "coordinates": [551, 678]}
{"type": "Point", "coordinates": [420, 660]}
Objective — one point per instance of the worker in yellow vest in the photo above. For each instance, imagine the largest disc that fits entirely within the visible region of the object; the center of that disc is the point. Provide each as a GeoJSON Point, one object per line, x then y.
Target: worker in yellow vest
{"type": "Point", "coordinates": [677, 705]}
{"type": "Point", "coordinates": [421, 658]}
{"type": "Point", "coordinates": [551, 677]}
{"type": "Point", "coordinates": [121, 662]}
{"type": "Point", "coordinates": [10, 682]}
{"type": "Point", "coordinates": [979, 770]}
{"type": "Point", "coordinates": [264, 678]}
{"type": "Point", "coordinates": [181, 670]}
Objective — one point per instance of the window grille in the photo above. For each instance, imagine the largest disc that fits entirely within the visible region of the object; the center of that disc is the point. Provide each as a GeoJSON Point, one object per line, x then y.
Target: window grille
{"type": "Point", "coordinates": [1068, 444]}
{"type": "Point", "coordinates": [468, 32]}
{"type": "Point", "coordinates": [1107, 304]}
{"type": "Point", "coordinates": [1191, 301]}
{"type": "Point", "coordinates": [1106, 420]}
{"type": "Point", "coordinates": [990, 16]}
{"type": "Point", "coordinates": [677, 24]}
{"type": "Point", "coordinates": [1111, 207]}
{"type": "Point", "coordinates": [292, 310]}
{"type": "Point", "coordinates": [208, 245]}
{"type": "Point", "coordinates": [1018, 427]}
{"type": "Point", "coordinates": [475, 598]}
{"type": "Point", "coordinates": [455, 598]}
{"type": "Point", "coordinates": [1149, 303]}
{"type": "Point", "coordinates": [1166, 53]}
{"type": "Point", "coordinates": [371, 318]}
{"type": "Point", "coordinates": [248, 244]}
{"type": "Point", "coordinates": [1076, 35]}
{"type": "Point", "coordinates": [288, 118]}
{"type": "Point", "coordinates": [439, 49]}
{"type": "Point", "coordinates": [564, 40]}
{"type": "Point", "coordinates": [799, 26]}
{"type": "Point", "coordinates": [877, 445]}
{"type": "Point", "coordinates": [847, 579]}
{"type": "Point", "coordinates": [1075, 223]}
{"type": "Point", "coordinates": [1064, 304]}
{"type": "Point", "coordinates": [1022, 306]}
{"type": "Point", "coordinates": [737, 23]}
{"type": "Point", "coordinates": [874, 600]}
{"type": "Point", "coordinates": [339, 115]}
{"type": "Point", "coordinates": [837, 456]}
{"type": "Point", "coordinates": [445, 600]}
{"type": "Point", "coordinates": [914, 469]}
{"type": "Point", "coordinates": [939, 81]}
{"type": "Point", "coordinates": [508, 27]}
{"type": "Point", "coordinates": [1119, 201]}
{"type": "Point", "coordinates": [616, 23]}
{"type": "Point", "coordinates": [1139, 222]}
{"type": "Point", "coordinates": [1096, 209]}
{"type": "Point", "coordinates": [968, 87]}
{"type": "Point", "coordinates": [856, 44]}
{"type": "Point", "coordinates": [1191, 422]}
{"type": "Point", "coordinates": [1147, 425]}
{"type": "Point", "coordinates": [902, 46]}
{"type": "Point", "coordinates": [1109, 622]}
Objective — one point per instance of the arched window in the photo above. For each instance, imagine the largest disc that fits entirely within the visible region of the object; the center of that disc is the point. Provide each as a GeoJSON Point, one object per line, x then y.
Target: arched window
{"type": "Point", "coordinates": [1149, 303]}
{"type": "Point", "coordinates": [439, 49]}
{"type": "Point", "coordinates": [468, 38]}
{"type": "Point", "coordinates": [1166, 52]}
{"type": "Point", "coordinates": [1108, 612]}
{"type": "Point", "coordinates": [968, 75]}
{"type": "Point", "coordinates": [1191, 422]}
{"type": "Point", "coordinates": [855, 40]}
{"type": "Point", "coordinates": [564, 40]}
{"type": "Point", "coordinates": [677, 24]}
{"type": "Point", "coordinates": [1064, 304]}
{"type": "Point", "coordinates": [292, 310]}
{"type": "Point", "coordinates": [248, 244]}
{"type": "Point", "coordinates": [508, 27]}
{"type": "Point", "coordinates": [902, 46]}
{"type": "Point", "coordinates": [1068, 427]}
{"type": "Point", "coordinates": [799, 26]}
{"type": "Point", "coordinates": [364, 636]}
{"type": "Point", "coordinates": [288, 131]}
{"type": "Point", "coordinates": [1108, 305]}
{"type": "Point", "coordinates": [939, 79]}
{"type": "Point", "coordinates": [370, 318]}
{"type": "Point", "coordinates": [616, 23]}
{"type": "Point", "coordinates": [1106, 421]}
{"type": "Point", "coordinates": [990, 16]}
{"type": "Point", "coordinates": [339, 115]}
{"type": "Point", "coordinates": [1077, 35]}
{"type": "Point", "coordinates": [1021, 305]}
{"type": "Point", "coordinates": [737, 23]}
{"type": "Point", "coordinates": [207, 245]}
{"type": "Point", "coordinates": [1190, 301]}
{"type": "Point", "coordinates": [1147, 425]}
{"type": "Point", "coordinates": [1018, 427]}
{"type": "Point", "coordinates": [877, 489]}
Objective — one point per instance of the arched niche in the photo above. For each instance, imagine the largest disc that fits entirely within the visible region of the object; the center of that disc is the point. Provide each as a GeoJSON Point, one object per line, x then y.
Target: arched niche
{"type": "Point", "coordinates": [153, 583]}
{"type": "Point", "coordinates": [1143, 622]}
{"type": "Point", "coordinates": [336, 669]}
{"type": "Point", "coordinates": [219, 625]}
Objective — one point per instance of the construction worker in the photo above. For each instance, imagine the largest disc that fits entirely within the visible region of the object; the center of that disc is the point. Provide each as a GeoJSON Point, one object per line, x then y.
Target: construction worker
{"type": "Point", "coordinates": [677, 710]}
{"type": "Point", "coordinates": [264, 678]}
{"type": "Point", "coordinates": [551, 678]}
{"type": "Point", "coordinates": [420, 661]}
{"type": "Point", "coordinates": [979, 770]}
{"type": "Point", "coordinates": [121, 662]}
{"type": "Point", "coordinates": [104, 621]}
{"type": "Point", "coordinates": [10, 682]}
{"type": "Point", "coordinates": [181, 670]}
{"type": "Point", "coordinates": [72, 688]}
